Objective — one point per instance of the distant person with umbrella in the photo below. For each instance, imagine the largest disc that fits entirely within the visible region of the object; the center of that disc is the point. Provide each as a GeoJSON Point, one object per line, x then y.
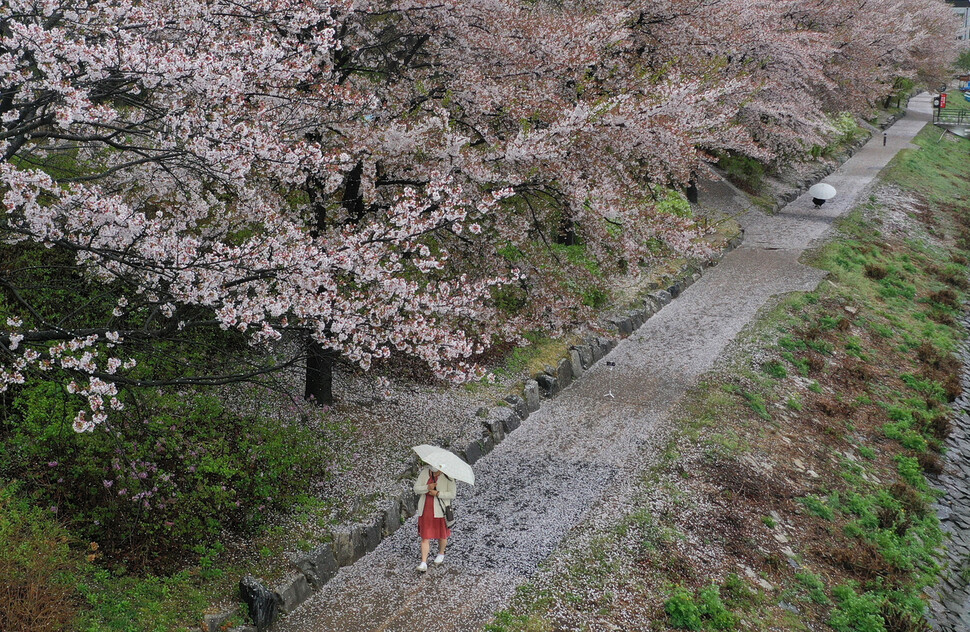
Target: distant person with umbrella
{"type": "Point", "coordinates": [436, 487]}
{"type": "Point", "coordinates": [821, 192]}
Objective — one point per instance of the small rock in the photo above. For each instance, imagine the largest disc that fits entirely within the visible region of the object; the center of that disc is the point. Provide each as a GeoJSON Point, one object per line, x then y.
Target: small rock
{"type": "Point", "coordinates": [214, 622]}
{"type": "Point", "coordinates": [531, 394]}
{"type": "Point", "coordinates": [292, 592]}
{"type": "Point", "coordinates": [263, 604]}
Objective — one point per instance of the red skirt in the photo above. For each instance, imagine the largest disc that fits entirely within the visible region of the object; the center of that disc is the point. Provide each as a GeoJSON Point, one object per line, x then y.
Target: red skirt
{"type": "Point", "coordinates": [429, 527]}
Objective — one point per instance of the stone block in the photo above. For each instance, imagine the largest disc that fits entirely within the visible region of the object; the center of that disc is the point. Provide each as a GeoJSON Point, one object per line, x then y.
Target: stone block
{"type": "Point", "coordinates": [547, 384]}
{"type": "Point", "coordinates": [494, 423]}
{"type": "Point", "coordinates": [392, 518]}
{"type": "Point", "coordinates": [594, 345]}
{"type": "Point", "coordinates": [487, 444]}
{"type": "Point", "coordinates": [531, 394]}
{"type": "Point", "coordinates": [623, 325]}
{"type": "Point", "coordinates": [371, 534]}
{"type": "Point", "coordinates": [262, 603]}
{"type": "Point", "coordinates": [607, 345]}
{"type": "Point", "coordinates": [637, 317]}
{"type": "Point", "coordinates": [518, 406]}
{"type": "Point", "coordinates": [576, 362]}
{"type": "Point", "coordinates": [511, 421]}
{"type": "Point", "coordinates": [215, 622]}
{"type": "Point", "coordinates": [564, 373]}
{"type": "Point", "coordinates": [473, 453]}
{"type": "Point", "coordinates": [409, 503]}
{"type": "Point", "coordinates": [662, 297]}
{"type": "Point", "coordinates": [585, 355]}
{"type": "Point", "coordinates": [348, 545]}
{"type": "Point", "coordinates": [319, 565]}
{"type": "Point", "coordinates": [293, 591]}
{"type": "Point", "coordinates": [675, 289]}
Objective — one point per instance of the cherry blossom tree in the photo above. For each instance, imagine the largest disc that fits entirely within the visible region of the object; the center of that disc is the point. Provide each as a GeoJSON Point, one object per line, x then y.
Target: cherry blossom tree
{"type": "Point", "coordinates": [362, 179]}
{"type": "Point", "coordinates": [158, 149]}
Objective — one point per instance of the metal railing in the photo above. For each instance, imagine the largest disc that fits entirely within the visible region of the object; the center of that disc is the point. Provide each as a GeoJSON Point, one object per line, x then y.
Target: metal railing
{"type": "Point", "coordinates": [951, 116]}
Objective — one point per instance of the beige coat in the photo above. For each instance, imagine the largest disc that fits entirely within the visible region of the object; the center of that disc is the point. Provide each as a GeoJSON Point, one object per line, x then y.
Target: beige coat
{"type": "Point", "coordinates": [447, 490]}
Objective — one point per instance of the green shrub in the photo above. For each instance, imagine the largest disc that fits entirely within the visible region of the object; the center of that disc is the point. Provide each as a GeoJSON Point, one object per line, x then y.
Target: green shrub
{"type": "Point", "coordinates": [909, 468]}
{"type": "Point", "coordinates": [855, 612]}
{"type": "Point", "coordinates": [747, 172]}
{"type": "Point", "coordinates": [814, 586]}
{"type": "Point", "coordinates": [717, 616]}
{"type": "Point", "coordinates": [170, 472]}
{"type": "Point", "coordinates": [757, 403]}
{"type": "Point", "coordinates": [817, 506]}
{"type": "Point", "coordinates": [682, 612]}
{"type": "Point", "coordinates": [36, 564]}
{"type": "Point", "coordinates": [775, 369]}
{"type": "Point", "coordinates": [705, 611]}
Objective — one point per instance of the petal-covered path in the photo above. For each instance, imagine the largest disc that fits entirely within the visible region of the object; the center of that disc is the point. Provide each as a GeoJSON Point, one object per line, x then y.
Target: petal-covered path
{"type": "Point", "coordinates": [547, 475]}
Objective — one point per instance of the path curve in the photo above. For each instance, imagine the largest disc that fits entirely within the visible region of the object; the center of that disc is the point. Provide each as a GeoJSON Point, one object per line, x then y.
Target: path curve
{"type": "Point", "coordinates": [578, 445]}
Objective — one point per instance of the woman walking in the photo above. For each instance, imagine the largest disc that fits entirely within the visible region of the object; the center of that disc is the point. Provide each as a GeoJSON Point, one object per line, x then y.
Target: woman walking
{"type": "Point", "coordinates": [437, 491]}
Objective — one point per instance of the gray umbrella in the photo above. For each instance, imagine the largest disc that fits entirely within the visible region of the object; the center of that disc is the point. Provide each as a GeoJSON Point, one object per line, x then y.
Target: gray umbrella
{"type": "Point", "coordinates": [450, 464]}
{"type": "Point", "coordinates": [822, 191]}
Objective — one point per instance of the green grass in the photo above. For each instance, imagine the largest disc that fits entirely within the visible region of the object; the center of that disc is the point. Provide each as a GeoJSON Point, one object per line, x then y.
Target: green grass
{"type": "Point", "coordinates": [937, 170]}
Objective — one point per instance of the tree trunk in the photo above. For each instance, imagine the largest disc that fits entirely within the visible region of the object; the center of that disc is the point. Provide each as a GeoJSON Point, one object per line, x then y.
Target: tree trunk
{"type": "Point", "coordinates": [567, 233]}
{"type": "Point", "coordinates": [319, 361]}
{"type": "Point", "coordinates": [319, 374]}
{"type": "Point", "coordinates": [692, 190]}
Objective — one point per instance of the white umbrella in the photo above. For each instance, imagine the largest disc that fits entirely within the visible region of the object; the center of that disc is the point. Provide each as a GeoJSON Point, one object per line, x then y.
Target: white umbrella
{"type": "Point", "coordinates": [450, 464]}
{"type": "Point", "coordinates": [822, 191]}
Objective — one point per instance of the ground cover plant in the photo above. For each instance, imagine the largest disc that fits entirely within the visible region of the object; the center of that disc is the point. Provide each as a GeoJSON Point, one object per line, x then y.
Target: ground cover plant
{"type": "Point", "coordinates": [797, 484]}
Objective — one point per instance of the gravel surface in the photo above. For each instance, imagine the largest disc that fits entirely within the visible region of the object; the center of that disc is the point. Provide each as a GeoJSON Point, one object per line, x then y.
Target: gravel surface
{"type": "Point", "coordinates": [572, 460]}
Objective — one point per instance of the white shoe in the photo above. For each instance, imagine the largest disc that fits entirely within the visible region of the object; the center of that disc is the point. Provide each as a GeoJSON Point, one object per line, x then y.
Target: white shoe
{"type": "Point", "coordinates": [439, 559]}
{"type": "Point", "coordinates": [422, 567]}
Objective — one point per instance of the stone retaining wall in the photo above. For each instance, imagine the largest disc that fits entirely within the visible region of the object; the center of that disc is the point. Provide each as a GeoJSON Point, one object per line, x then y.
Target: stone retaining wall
{"type": "Point", "coordinates": [950, 600]}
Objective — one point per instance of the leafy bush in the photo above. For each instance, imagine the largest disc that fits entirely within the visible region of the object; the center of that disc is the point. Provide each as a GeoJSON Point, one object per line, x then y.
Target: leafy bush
{"type": "Point", "coordinates": [747, 172]}
{"type": "Point", "coordinates": [855, 612]}
{"type": "Point", "coordinates": [757, 403]}
{"type": "Point", "coordinates": [706, 611]}
{"type": "Point", "coordinates": [36, 592]}
{"type": "Point", "coordinates": [909, 468]}
{"type": "Point", "coordinates": [674, 203]}
{"type": "Point", "coordinates": [173, 472]}
{"type": "Point", "coordinates": [775, 369]}
{"type": "Point", "coordinates": [682, 611]}
{"type": "Point", "coordinates": [815, 587]}
{"type": "Point", "coordinates": [817, 506]}
{"type": "Point", "coordinates": [714, 611]}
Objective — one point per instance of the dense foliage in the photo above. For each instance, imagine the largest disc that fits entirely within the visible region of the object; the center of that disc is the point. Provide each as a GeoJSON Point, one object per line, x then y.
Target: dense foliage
{"type": "Point", "coordinates": [365, 178]}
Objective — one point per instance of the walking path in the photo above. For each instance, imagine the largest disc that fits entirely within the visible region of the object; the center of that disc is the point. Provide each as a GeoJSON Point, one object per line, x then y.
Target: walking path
{"type": "Point", "coordinates": [549, 474]}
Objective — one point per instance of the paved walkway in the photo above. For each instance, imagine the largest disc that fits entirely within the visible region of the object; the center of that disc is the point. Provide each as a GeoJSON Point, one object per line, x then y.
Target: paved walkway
{"type": "Point", "coordinates": [547, 475]}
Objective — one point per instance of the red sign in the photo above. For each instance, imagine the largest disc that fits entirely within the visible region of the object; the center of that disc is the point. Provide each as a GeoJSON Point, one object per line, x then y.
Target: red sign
{"type": "Point", "coordinates": [943, 100]}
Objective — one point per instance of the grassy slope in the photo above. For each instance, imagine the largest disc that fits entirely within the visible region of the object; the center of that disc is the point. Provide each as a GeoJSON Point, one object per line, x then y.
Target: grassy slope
{"type": "Point", "coordinates": [794, 496]}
